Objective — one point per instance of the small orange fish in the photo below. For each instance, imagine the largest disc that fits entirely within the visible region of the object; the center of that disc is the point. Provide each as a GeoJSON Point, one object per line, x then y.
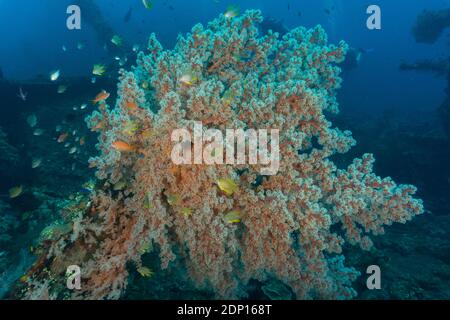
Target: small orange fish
{"type": "Point", "coordinates": [101, 97]}
{"type": "Point", "coordinates": [100, 125]}
{"type": "Point", "coordinates": [123, 146]}
{"type": "Point", "coordinates": [63, 137]}
{"type": "Point", "coordinates": [131, 105]}
{"type": "Point", "coordinates": [82, 141]}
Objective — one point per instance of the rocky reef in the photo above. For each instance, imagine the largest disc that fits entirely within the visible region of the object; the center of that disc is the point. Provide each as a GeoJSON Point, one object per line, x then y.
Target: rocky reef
{"type": "Point", "coordinates": [8, 154]}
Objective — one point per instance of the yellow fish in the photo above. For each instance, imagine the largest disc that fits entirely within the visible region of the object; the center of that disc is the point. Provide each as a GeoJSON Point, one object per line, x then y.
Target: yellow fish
{"type": "Point", "coordinates": [15, 192]}
{"type": "Point", "coordinates": [145, 272]}
{"type": "Point", "coordinates": [147, 133]}
{"type": "Point", "coordinates": [228, 98]}
{"type": "Point", "coordinates": [146, 247]}
{"type": "Point", "coordinates": [188, 79]}
{"type": "Point", "coordinates": [130, 128]}
{"type": "Point", "coordinates": [120, 185]}
{"type": "Point", "coordinates": [228, 186]}
{"type": "Point", "coordinates": [173, 199]}
{"type": "Point", "coordinates": [99, 69]}
{"type": "Point", "coordinates": [233, 216]}
{"type": "Point", "coordinates": [232, 11]}
{"type": "Point", "coordinates": [186, 212]}
{"type": "Point", "coordinates": [147, 203]}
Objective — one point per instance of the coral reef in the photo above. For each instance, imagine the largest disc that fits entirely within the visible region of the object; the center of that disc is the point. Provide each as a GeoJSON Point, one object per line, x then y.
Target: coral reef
{"type": "Point", "coordinates": [293, 224]}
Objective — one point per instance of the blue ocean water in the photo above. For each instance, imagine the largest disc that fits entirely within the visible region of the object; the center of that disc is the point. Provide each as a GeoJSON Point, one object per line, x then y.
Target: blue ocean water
{"type": "Point", "coordinates": [397, 114]}
{"type": "Point", "coordinates": [37, 34]}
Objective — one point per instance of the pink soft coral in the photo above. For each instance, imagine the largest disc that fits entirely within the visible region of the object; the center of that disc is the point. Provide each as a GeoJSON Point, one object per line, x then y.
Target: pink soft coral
{"type": "Point", "coordinates": [244, 81]}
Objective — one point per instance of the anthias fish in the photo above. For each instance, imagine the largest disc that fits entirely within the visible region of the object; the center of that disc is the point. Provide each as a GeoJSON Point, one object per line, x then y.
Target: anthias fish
{"type": "Point", "coordinates": [131, 105]}
{"type": "Point", "coordinates": [123, 146]}
{"type": "Point", "coordinates": [62, 137]}
{"type": "Point", "coordinates": [101, 97]}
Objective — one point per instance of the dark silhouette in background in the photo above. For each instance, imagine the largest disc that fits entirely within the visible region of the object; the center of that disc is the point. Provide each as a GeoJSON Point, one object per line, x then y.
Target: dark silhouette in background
{"type": "Point", "coordinates": [430, 25]}
{"type": "Point", "coordinates": [428, 28]}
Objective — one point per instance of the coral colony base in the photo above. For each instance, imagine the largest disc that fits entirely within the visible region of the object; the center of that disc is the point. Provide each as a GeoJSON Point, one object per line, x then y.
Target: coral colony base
{"type": "Point", "coordinates": [223, 225]}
